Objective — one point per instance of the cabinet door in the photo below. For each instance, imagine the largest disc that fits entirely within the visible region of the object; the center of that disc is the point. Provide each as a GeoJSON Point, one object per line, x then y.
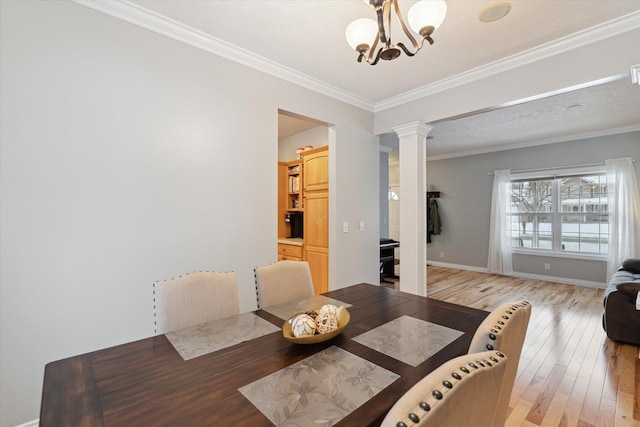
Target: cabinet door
{"type": "Point", "coordinates": [316, 171]}
{"type": "Point", "coordinates": [316, 219]}
{"type": "Point", "coordinates": [316, 238]}
{"type": "Point", "coordinates": [319, 265]}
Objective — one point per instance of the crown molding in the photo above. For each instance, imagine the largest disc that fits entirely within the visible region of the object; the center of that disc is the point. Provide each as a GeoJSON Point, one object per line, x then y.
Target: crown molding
{"type": "Point", "coordinates": [598, 33]}
{"type": "Point", "coordinates": [526, 144]}
{"type": "Point", "coordinates": [159, 24]}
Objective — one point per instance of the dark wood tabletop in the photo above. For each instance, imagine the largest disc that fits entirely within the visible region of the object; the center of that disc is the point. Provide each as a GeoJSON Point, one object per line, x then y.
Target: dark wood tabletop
{"type": "Point", "coordinates": [147, 383]}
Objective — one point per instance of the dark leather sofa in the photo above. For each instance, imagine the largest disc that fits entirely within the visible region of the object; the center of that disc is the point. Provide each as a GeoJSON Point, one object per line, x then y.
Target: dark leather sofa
{"type": "Point", "coordinates": [621, 320]}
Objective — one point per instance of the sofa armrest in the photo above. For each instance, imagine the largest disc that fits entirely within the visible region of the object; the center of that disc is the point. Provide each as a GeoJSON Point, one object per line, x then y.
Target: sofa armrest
{"type": "Point", "coordinates": [631, 289]}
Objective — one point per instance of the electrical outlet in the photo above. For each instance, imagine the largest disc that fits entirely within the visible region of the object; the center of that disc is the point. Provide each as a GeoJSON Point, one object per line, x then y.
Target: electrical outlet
{"type": "Point", "coordinates": [345, 227]}
{"type": "Point", "coordinates": [547, 266]}
{"type": "Point", "coordinates": [441, 254]}
{"type": "Point", "coordinates": [361, 225]}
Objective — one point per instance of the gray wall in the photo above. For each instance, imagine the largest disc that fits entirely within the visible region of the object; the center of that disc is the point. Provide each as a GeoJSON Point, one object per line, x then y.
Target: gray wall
{"type": "Point", "coordinates": [465, 203]}
{"type": "Point", "coordinates": [128, 157]}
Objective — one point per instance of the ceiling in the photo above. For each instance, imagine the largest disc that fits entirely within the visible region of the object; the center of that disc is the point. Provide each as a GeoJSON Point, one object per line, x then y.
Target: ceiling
{"type": "Point", "coordinates": [303, 40]}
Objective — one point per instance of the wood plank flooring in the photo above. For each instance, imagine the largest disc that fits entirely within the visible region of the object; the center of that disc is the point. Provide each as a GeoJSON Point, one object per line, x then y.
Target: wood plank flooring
{"type": "Point", "coordinates": [570, 373]}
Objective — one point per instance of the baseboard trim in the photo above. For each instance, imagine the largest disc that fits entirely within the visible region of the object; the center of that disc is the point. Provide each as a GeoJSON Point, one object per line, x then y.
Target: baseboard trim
{"type": "Point", "coordinates": [577, 282]}
{"type": "Point", "coordinates": [458, 266]}
{"type": "Point", "coordinates": [34, 423]}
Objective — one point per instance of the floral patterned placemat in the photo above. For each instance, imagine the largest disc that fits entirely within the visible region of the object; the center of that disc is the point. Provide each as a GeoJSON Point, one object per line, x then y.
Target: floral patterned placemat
{"type": "Point", "coordinates": [319, 390]}
{"type": "Point", "coordinates": [408, 339]}
{"type": "Point", "coordinates": [288, 309]}
{"type": "Point", "coordinates": [208, 337]}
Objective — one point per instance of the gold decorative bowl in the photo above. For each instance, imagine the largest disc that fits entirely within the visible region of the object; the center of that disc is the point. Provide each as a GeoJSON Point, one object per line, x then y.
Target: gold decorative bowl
{"type": "Point", "coordinates": [314, 339]}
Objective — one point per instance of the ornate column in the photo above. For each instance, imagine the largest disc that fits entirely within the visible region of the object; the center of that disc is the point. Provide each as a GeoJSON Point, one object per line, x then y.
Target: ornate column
{"type": "Point", "coordinates": [413, 210]}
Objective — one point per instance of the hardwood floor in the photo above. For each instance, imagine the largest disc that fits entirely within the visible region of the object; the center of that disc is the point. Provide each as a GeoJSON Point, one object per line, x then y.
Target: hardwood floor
{"type": "Point", "coordinates": [570, 374]}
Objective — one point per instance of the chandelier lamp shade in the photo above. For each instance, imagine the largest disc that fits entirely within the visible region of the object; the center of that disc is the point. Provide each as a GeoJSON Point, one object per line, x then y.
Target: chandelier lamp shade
{"type": "Point", "coordinates": [365, 34]}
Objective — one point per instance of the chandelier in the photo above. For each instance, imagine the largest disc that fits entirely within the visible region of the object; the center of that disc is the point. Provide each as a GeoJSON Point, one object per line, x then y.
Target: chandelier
{"type": "Point", "coordinates": [364, 34]}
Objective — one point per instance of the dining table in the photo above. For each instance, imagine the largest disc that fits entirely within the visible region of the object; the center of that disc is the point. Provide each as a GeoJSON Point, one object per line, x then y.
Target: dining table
{"type": "Point", "coordinates": [242, 371]}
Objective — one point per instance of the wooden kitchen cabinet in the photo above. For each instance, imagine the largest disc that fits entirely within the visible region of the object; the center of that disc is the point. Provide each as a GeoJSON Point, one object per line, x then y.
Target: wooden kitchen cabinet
{"type": "Point", "coordinates": [289, 252]}
{"type": "Point", "coordinates": [316, 215]}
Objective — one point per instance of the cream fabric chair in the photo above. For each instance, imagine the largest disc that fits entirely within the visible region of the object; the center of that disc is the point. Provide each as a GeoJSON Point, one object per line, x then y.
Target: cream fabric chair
{"type": "Point", "coordinates": [462, 392]}
{"type": "Point", "coordinates": [504, 330]}
{"type": "Point", "coordinates": [194, 298]}
{"type": "Point", "coordinates": [283, 281]}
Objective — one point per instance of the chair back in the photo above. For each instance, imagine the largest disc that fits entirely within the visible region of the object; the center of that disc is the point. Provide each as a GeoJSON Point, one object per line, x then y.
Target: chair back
{"type": "Point", "coordinates": [462, 392]}
{"type": "Point", "coordinates": [504, 330]}
{"type": "Point", "coordinates": [283, 281]}
{"type": "Point", "coordinates": [194, 298]}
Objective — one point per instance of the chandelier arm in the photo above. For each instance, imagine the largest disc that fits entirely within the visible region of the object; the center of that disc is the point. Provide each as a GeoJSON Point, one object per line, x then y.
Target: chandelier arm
{"type": "Point", "coordinates": [405, 50]}
{"type": "Point", "coordinates": [382, 35]}
{"type": "Point", "coordinates": [387, 21]}
{"type": "Point", "coordinates": [404, 26]}
{"type": "Point", "coordinates": [373, 49]}
{"type": "Point", "coordinates": [375, 61]}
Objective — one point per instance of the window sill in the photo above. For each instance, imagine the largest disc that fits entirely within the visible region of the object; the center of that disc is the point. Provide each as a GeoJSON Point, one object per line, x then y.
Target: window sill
{"type": "Point", "coordinates": [567, 255]}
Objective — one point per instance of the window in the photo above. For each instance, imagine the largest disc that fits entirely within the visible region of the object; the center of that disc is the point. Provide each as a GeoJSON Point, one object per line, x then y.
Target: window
{"type": "Point", "coordinates": [563, 214]}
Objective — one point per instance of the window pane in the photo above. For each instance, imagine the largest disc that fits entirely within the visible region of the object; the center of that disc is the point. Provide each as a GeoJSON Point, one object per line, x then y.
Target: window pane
{"type": "Point", "coordinates": [585, 233]}
{"type": "Point", "coordinates": [531, 196]}
{"type": "Point", "coordinates": [584, 194]}
{"type": "Point", "coordinates": [582, 214]}
{"type": "Point", "coordinates": [532, 231]}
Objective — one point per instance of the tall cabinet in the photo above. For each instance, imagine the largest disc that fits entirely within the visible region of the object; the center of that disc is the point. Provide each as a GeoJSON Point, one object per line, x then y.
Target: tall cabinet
{"type": "Point", "coordinates": [316, 215]}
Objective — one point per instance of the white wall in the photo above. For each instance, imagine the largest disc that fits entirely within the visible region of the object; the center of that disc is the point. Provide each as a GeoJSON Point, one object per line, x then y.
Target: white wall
{"type": "Point", "coordinates": [127, 157]}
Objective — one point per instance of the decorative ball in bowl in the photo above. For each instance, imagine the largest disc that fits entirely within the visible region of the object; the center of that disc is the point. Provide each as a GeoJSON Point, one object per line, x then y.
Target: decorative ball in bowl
{"type": "Point", "coordinates": [316, 326]}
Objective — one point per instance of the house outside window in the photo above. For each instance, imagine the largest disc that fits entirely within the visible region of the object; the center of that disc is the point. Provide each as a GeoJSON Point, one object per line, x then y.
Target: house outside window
{"type": "Point", "coordinates": [567, 214]}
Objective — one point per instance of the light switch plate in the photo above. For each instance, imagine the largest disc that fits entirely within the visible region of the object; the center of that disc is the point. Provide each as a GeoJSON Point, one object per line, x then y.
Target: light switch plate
{"type": "Point", "coordinates": [345, 227]}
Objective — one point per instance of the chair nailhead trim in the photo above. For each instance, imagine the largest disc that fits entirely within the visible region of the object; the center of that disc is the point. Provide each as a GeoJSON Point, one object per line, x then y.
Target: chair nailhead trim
{"type": "Point", "coordinates": [489, 347]}
{"type": "Point", "coordinates": [492, 336]}
{"type": "Point", "coordinates": [438, 395]}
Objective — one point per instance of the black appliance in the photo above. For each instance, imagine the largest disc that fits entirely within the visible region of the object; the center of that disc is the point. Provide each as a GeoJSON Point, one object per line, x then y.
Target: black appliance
{"type": "Point", "coordinates": [294, 219]}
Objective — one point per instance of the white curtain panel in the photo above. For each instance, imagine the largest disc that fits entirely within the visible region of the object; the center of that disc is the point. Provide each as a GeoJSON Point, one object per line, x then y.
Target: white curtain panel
{"type": "Point", "coordinates": [499, 260]}
{"type": "Point", "coordinates": [624, 212]}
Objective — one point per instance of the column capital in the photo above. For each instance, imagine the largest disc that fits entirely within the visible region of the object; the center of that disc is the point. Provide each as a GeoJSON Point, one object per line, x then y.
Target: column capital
{"type": "Point", "coordinates": [415, 128]}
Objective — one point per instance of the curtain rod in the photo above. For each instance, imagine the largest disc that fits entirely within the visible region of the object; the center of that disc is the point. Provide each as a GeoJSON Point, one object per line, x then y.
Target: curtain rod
{"type": "Point", "coordinates": [558, 167]}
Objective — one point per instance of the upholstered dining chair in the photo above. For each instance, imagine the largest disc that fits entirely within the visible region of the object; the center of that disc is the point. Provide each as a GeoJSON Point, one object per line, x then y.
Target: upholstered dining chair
{"type": "Point", "coordinates": [283, 281]}
{"type": "Point", "coordinates": [504, 330]}
{"type": "Point", "coordinates": [194, 298]}
{"type": "Point", "coordinates": [462, 392]}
